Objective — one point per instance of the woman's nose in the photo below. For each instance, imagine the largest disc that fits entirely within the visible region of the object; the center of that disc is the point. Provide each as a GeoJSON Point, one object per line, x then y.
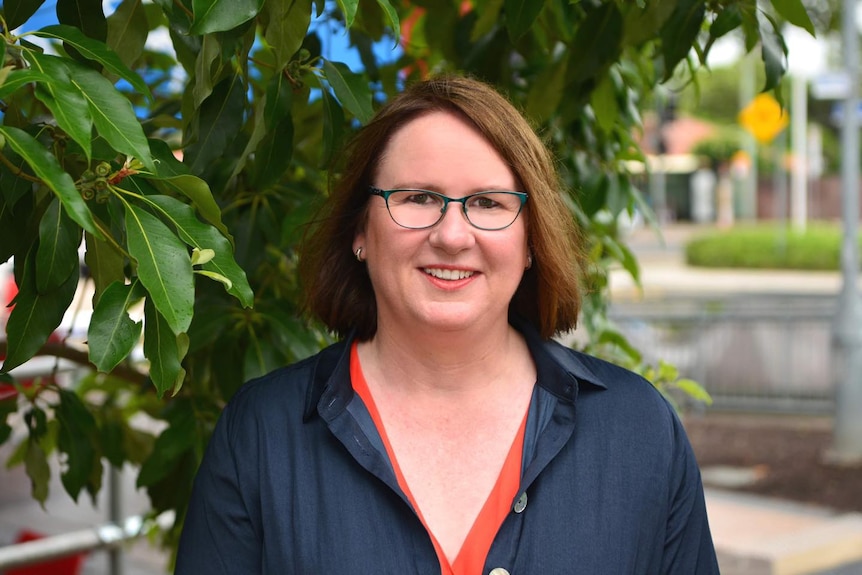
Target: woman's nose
{"type": "Point", "coordinates": [453, 232]}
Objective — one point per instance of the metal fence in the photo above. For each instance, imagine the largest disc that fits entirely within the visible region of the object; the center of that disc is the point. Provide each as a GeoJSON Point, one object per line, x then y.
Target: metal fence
{"type": "Point", "coordinates": [751, 352]}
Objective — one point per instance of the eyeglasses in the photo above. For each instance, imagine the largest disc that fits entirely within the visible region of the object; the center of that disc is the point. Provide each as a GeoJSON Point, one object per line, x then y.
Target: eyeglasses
{"type": "Point", "coordinates": [420, 209]}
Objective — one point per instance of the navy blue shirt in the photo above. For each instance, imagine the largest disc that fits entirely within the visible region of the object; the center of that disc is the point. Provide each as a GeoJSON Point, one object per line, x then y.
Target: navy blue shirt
{"type": "Point", "coordinates": [296, 480]}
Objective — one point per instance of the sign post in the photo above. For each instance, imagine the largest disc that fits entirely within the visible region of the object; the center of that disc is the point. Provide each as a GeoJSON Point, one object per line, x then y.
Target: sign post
{"type": "Point", "coordinates": [847, 327]}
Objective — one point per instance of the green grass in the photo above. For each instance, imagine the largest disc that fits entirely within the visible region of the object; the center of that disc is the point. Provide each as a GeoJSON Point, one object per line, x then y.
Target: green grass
{"type": "Point", "coordinates": [768, 246]}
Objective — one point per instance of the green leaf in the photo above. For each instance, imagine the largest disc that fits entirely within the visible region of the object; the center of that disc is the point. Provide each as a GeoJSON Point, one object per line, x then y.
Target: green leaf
{"type": "Point", "coordinates": [64, 100]}
{"type": "Point", "coordinates": [112, 335]}
{"type": "Point", "coordinates": [351, 89]}
{"type": "Point", "coordinates": [333, 127]}
{"type": "Point", "coordinates": [348, 8]}
{"type": "Point", "coordinates": [38, 470]}
{"type": "Point", "coordinates": [596, 44]}
{"type": "Point", "coordinates": [520, 15]}
{"type": "Point", "coordinates": [105, 263]}
{"type": "Point", "coordinates": [128, 30]}
{"type": "Point", "coordinates": [613, 337]}
{"type": "Point", "coordinates": [604, 103]}
{"type": "Point", "coordinates": [199, 235]}
{"type": "Point", "coordinates": [96, 51]}
{"type": "Point", "coordinates": [164, 266]}
{"type": "Point", "coordinates": [35, 315]}
{"type": "Point", "coordinates": [679, 33]}
{"type": "Point", "coordinates": [222, 15]}
{"type": "Point", "coordinates": [113, 116]}
{"type": "Point", "coordinates": [547, 91]}
{"type": "Point", "coordinates": [169, 447]}
{"type": "Point", "coordinates": [727, 20]}
{"type": "Point", "coordinates": [279, 98]}
{"type": "Point", "coordinates": [111, 438]}
{"type": "Point", "coordinates": [77, 439]}
{"type": "Point", "coordinates": [57, 254]}
{"type": "Point", "coordinates": [8, 406]}
{"type": "Point", "coordinates": [773, 52]}
{"type": "Point", "coordinates": [643, 22]}
{"type": "Point", "coordinates": [488, 19]}
{"type": "Point", "coordinates": [285, 26]}
{"type": "Point", "coordinates": [168, 165]}
{"type": "Point", "coordinates": [272, 159]}
{"type": "Point", "coordinates": [794, 12]}
{"type": "Point", "coordinates": [47, 169]}
{"type": "Point", "coordinates": [16, 223]}
{"type": "Point", "coordinates": [18, 78]}
{"type": "Point", "coordinates": [85, 15]}
{"type": "Point", "coordinates": [694, 390]}
{"type": "Point", "coordinates": [217, 125]}
{"type": "Point", "coordinates": [392, 17]}
{"type": "Point", "coordinates": [204, 74]}
{"type": "Point", "coordinates": [16, 12]}
{"type": "Point", "coordinates": [162, 351]}
{"type": "Point", "coordinates": [199, 193]}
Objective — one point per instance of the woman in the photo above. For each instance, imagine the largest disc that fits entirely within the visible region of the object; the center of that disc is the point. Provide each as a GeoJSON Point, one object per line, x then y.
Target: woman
{"type": "Point", "coordinates": [447, 433]}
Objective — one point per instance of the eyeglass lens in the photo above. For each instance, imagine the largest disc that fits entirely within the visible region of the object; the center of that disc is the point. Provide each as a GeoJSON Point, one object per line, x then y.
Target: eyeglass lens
{"type": "Point", "coordinates": [486, 210]}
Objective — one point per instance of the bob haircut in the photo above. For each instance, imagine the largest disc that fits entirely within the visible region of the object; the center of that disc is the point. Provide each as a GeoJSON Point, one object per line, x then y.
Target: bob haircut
{"type": "Point", "coordinates": [337, 288]}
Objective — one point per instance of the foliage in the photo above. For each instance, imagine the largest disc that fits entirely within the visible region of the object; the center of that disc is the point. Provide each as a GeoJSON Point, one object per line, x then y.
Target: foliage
{"type": "Point", "coordinates": [720, 147]}
{"type": "Point", "coordinates": [768, 246]}
{"type": "Point", "coordinates": [714, 93]}
{"type": "Point", "coordinates": [204, 249]}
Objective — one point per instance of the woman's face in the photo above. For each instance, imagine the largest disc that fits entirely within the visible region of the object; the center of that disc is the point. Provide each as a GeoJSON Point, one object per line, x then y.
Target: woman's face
{"type": "Point", "coordinates": [451, 276]}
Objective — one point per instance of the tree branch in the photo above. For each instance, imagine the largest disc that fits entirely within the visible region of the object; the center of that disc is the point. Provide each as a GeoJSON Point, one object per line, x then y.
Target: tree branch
{"type": "Point", "coordinates": [80, 357]}
{"type": "Point", "coordinates": [18, 171]}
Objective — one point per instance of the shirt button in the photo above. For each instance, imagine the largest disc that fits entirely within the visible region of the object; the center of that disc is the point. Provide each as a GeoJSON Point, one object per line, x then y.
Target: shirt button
{"type": "Point", "coordinates": [521, 503]}
{"type": "Point", "coordinates": [498, 571]}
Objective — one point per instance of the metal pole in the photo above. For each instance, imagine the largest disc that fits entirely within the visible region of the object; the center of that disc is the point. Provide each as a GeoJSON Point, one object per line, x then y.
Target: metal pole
{"type": "Point", "coordinates": [102, 537]}
{"type": "Point", "coordinates": [847, 340]}
{"type": "Point", "coordinates": [115, 512]}
{"type": "Point", "coordinates": [749, 144]}
{"type": "Point", "coordinates": [799, 176]}
{"type": "Point", "coordinates": [657, 178]}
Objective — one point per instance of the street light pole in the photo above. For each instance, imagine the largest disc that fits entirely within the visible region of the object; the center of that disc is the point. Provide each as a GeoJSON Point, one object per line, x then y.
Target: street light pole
{"type": "Point", "coordinates": [847, 327]}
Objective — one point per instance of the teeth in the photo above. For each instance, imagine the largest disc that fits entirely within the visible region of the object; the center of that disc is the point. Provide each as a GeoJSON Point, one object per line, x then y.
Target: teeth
{"type": "Point", "coordinates": [448, 274]}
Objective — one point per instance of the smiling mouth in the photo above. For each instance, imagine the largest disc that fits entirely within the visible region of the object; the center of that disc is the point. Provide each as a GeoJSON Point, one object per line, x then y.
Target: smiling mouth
{"type": "Point", "coordinates": [448, 274]}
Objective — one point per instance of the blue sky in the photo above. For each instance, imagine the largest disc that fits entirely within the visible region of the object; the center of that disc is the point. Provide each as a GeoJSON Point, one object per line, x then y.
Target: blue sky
{"type": "Point", "coordinates": [336, 43]}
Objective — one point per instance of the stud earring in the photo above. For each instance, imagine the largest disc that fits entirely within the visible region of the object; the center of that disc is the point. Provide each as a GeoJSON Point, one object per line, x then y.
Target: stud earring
{"type": "Point", "coordinates": [358, 253]}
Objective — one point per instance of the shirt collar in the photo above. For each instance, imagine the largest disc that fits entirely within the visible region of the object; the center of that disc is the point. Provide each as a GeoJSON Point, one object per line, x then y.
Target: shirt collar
{"type": "Point", "coordinates": [559, 370]}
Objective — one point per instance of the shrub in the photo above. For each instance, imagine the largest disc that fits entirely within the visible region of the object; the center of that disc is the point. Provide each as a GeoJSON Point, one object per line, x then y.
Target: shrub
{"type": "Point", "coordinates": [773, 246]}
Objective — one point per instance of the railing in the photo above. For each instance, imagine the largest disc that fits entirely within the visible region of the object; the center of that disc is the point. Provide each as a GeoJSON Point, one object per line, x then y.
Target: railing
{"type": "Point", "coordinates": [107, 536]}
{"type": "Point", "coordinates": [751, 352]}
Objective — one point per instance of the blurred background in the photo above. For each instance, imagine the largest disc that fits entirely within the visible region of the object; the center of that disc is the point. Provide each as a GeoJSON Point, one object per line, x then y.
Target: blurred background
{"type": "Point", "coordinates": [721, 204]}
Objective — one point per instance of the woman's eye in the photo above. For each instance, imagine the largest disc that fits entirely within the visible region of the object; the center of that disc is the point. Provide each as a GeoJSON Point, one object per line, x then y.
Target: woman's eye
{"type": "Point", "coordinates": [484, 202]}
{"type": "Point", "coordinates": [423, 199]}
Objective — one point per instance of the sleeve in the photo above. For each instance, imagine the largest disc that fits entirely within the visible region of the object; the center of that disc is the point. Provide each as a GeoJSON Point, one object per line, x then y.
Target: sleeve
{"type": "Point", "coordinates": [688, 546]}
{"type": "Point", "coordinates": [220, 535]}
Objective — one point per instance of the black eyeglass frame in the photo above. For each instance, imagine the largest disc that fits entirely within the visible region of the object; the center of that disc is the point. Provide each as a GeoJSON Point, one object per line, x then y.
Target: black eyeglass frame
{"type": "Point", "coordinates": [385, 194]}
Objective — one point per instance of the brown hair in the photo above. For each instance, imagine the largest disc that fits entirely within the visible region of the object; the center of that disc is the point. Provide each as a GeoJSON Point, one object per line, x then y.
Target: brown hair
{"type": "Point", "coordinates": [337, 287]}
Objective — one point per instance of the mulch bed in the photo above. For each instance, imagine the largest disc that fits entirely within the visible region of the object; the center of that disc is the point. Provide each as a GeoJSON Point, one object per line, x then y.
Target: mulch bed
{"type": "Point", "coordinates": [786, 454]}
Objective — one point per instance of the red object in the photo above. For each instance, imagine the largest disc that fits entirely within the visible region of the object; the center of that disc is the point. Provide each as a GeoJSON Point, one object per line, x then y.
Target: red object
{"type": "Point", "coordinates": [7, 294]}
{"type": "Point", "coordinates": [66, 566]}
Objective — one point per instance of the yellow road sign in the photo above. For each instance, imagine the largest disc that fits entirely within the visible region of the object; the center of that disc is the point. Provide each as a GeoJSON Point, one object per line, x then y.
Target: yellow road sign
{"type": "Point", "coordinates": [764, 118]}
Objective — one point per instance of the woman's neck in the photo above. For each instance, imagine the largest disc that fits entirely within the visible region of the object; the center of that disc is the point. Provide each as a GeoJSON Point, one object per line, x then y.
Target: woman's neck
{"type": "Point", "coordinates": [446, 363]}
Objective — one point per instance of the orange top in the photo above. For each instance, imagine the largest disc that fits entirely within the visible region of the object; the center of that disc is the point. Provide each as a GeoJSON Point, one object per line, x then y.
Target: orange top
{"type": "Point", "coordinates": [474, 550]}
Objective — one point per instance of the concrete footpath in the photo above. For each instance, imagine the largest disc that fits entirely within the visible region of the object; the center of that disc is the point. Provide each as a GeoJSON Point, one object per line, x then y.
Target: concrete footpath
{"type": "Point", "coordinates": [753, 535]}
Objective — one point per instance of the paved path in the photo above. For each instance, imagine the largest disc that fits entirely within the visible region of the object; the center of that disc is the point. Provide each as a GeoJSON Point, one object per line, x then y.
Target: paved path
{"type": "Point", "coordinates": [753, 535]}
